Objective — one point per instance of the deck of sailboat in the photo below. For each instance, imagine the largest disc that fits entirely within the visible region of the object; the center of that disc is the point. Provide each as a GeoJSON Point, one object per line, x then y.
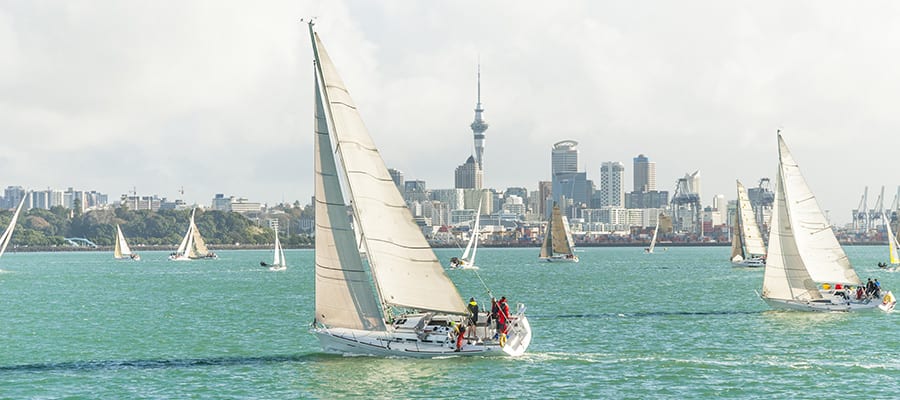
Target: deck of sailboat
{"type": "Point", "coordinates": [427, 336]}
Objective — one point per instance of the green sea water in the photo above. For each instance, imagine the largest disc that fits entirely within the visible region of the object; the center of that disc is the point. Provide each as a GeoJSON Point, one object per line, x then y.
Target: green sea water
{"type": "Point", "coordinates": [680, 323]}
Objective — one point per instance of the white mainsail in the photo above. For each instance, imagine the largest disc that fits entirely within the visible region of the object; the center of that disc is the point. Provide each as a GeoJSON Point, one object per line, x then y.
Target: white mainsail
{"type": "Point", "coordinates": [122, 250]}
{"type": "Point", "coordinates": [802, 247]}
{"type": "Point", "coordinates": [473, 239]}
{"type": "Point", "coordinates": [747, 241]}
{"type": "Point", "coordinates": [7, 234]}
{"type": "Point", "coordinates": [405, 270]}
{"type": "Point", "coordinates": [892, 242]}
{"type": "Point", "coordinates": [192, 245]}
{"type": "Point", "coordinates": [278, 260]}
{"type": "Point", "coordinates": [653, 239]}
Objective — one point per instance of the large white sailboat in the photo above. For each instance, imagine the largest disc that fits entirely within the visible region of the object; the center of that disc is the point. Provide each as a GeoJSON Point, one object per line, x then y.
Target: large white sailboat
{"type": "Point", "coordinates": [192, 246]}
{"type": "Point", "coordinates": [806, 268]}
{"type": "Point", "coordinates": [399, 301]}
{"type": "Point", "coordinates": [747, 246]}
{"type": "Point", "coordinates": [558, 244]}
{"type": "Point", "coordinates": [7, 234]}
{"type": "Point", "coordinates": [467, 261]}
{"type": "Point", "coordinates": [122, 251]}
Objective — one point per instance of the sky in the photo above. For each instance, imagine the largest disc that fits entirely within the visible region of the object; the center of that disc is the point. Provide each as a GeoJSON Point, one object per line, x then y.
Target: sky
{"type": "Point", "coordinates": [217, 96]}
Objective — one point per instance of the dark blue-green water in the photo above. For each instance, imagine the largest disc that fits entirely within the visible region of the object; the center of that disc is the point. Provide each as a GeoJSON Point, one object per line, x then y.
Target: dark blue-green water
{"type": "Point", "coordinates": [680, 323]}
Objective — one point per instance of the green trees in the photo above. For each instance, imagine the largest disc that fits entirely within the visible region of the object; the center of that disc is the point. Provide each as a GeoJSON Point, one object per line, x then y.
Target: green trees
{"type": "Point", "coordinates": [38, 227]}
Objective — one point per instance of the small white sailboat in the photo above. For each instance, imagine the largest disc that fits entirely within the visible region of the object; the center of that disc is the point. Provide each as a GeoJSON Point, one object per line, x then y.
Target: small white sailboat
{"type": "Point", "coordinates": [558, 244]}
{"type": "Point", "coordinates": [398, 301]}
{"type": "Point", "coordinates": [893, 246]}
{"type": "Point", "coordinates": [122, 251]}
{"type": "Point", "coordinates": [747, 246]}
{"type": "Point", "coordinates": [279, 263]}
{"type": "Point", "coordinates": [649, 250]}
{"type": "Point", "coordinates": [806, 268]}
{"type": "Point", "coordinates": [7, 234]}
{"type": "Point", "coordinates": [192, 246]}
{"type": "Point", "coordinates": [467, 261]}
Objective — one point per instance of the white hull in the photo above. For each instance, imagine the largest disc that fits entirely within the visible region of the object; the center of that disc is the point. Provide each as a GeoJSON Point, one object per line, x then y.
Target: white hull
{"type": "Point", "coordinates": [561, 259]}
{"type": "Point", "coordinates": [828, 304]}
{"type": "Point", "coordinates": [277, 267]}
{"type": "Point", "coordinates": [433, 340]}
{"type": "Point", "coordinates": [750, 263]}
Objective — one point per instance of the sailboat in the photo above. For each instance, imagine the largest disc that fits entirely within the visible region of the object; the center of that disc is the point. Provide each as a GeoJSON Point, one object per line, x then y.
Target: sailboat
{"type": "Point", "coordinates": [893, 258]}
{"type": "Point", "coordinates": [806, 268]}
{"type": "Point", "coordinates": [192, 246]}
{"type": "Point", "coordinates": [747, 247]}
{"type": "Point", "coordinates": [399, 301]}
{"type": "Point", "coordinates": [279, 263]}
{"type": "Point", "coordinates": [558, 244]}
{"type": "Point", "coordinates": [649, 250]}
{"type": "Point", "coordinates": [122, 251]}
{"type": "Point", "coordinates": [7, 234]}
{"type": "Point", "coordinates": [467, 261]}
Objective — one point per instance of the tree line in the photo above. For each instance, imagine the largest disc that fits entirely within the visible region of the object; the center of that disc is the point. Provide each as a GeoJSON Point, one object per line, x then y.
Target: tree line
{"type": "Point", "coordinates": [40, 227]}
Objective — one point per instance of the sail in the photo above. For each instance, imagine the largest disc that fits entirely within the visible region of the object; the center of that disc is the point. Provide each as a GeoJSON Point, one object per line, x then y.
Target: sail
{"type": "Point", "coordinates": [7, 235]}
{"type": "Point", "coordinates": [122, 250]}
{"type": "Point", "coordinates": [751, 238]}
{"type": "Point", "coordinates": [183, 247]}
{"type": "Point", "coordinates": [653, 239]}
{"type": "Point", "coordinates": [785, 276]}
{"type": "Point", "coordinates": [570, 243]}
{"type": "Point", "coordinates": [404, 267]}
{"type": "Point", "coordinates": [821, 253]}
{"type": "Point", "coordinates": [547, 246]}
{"type": "Point", "coordinates": [473, 239]}
{"type": "Point", "coordinates": [737, 247]}
{"type": "Point", "coordinates": [892, 242]}
{"type": "Point", "coordinates": [198, 249]}
{"type": "Point", "coordinates": [279, 252]}
{"type": "Point", "coordinates": [562, 239]}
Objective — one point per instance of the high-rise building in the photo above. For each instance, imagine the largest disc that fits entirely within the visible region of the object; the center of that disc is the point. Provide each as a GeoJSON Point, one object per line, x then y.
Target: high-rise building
{"type": "Point", "coordinates": [469, 175]}
{"type": "Point", "coordinates": [479, 126]}
{"type": "Point", "coordinates": [397, 176]}
{"type": "Point", "coordinates": [644, 174]}
{"type": "Point", "coordinates": [564, 157]}
{"type": "Point", "coordinates": [612, 185]}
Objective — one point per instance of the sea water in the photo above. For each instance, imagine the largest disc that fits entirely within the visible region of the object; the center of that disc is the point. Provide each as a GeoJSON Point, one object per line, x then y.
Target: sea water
{"type": "Point", "coordinates": [679, 323]}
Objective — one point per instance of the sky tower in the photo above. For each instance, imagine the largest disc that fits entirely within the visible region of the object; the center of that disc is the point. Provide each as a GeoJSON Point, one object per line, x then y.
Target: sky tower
{"type": "Point", "coordinates": [479, 126]}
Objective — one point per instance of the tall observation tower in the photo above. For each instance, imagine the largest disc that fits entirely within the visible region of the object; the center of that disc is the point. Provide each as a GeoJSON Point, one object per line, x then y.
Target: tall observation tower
{"type": "Point", "coordinates": [479, 126]}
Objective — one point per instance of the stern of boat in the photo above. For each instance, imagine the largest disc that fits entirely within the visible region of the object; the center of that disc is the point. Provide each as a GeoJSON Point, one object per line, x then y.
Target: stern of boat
{"type": "Point", "coordinates": [518, 337]}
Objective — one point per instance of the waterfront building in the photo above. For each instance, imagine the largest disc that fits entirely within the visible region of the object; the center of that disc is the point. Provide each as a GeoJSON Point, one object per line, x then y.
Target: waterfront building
{"type": "Point", "coordinates": [397, 176]}
{"type": "Point", "coordinates": [644, 174]}
{"type": "Point", "coordinates": [612, 179]}
{"type": "Point", "coordinates": [469, 175]}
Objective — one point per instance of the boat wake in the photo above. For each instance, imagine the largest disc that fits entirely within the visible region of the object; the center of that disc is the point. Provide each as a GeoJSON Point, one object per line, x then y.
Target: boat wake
{"type": "Point", "coordinates": [157, 364]}
{"type": "Point", "coordinates": [646, 314]}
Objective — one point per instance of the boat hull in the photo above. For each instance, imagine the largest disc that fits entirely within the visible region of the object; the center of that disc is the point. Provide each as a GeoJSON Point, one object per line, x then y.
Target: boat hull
{"type": "Point", "coordinates": [825, 305]}
{"type": "Point", "coordinates": [560, 259]}
{"type": "Point", "coordinates": [750, 263]}
{"type": "Point", "coordinates": [431, 342]}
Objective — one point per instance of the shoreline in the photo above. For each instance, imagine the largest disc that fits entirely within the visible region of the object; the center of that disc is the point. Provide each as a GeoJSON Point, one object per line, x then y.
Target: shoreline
{"type": "Point", "coordinates": [37, 249]}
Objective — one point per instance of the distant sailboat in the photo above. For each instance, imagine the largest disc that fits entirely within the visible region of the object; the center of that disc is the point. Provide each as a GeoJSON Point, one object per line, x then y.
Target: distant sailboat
{"type": "Point", "coordinates": [122, 251]}
{"type": "Point", "coordinates": [747, 247]}
{"type": "Point", "coordinates": [558, 244]}
{"type": "Point", "coordinates": [467, 261]}
{"type": "Point", "coordinates": [806, 268]}
{"type": "Point", "coordinates": [649, 250]}
{"type": "Point", "coordinates": [279, 263]}
{"type": "Point", "coordinates": [7, 235]}
{"type": "Point", "coordinates": [398, 301]}
{"type": "Point", "coordinates": [192, 246]}
{"type": "Point", "coordinates": [893, 258]}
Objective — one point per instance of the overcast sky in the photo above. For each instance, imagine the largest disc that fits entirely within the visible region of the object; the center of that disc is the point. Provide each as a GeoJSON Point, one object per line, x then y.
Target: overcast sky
{"type": "Point", "coordinates": [216, 96]}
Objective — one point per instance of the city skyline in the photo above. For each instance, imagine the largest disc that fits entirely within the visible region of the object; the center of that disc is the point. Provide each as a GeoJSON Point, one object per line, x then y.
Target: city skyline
{"type": "Point", "coordinates": [219, 99]}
